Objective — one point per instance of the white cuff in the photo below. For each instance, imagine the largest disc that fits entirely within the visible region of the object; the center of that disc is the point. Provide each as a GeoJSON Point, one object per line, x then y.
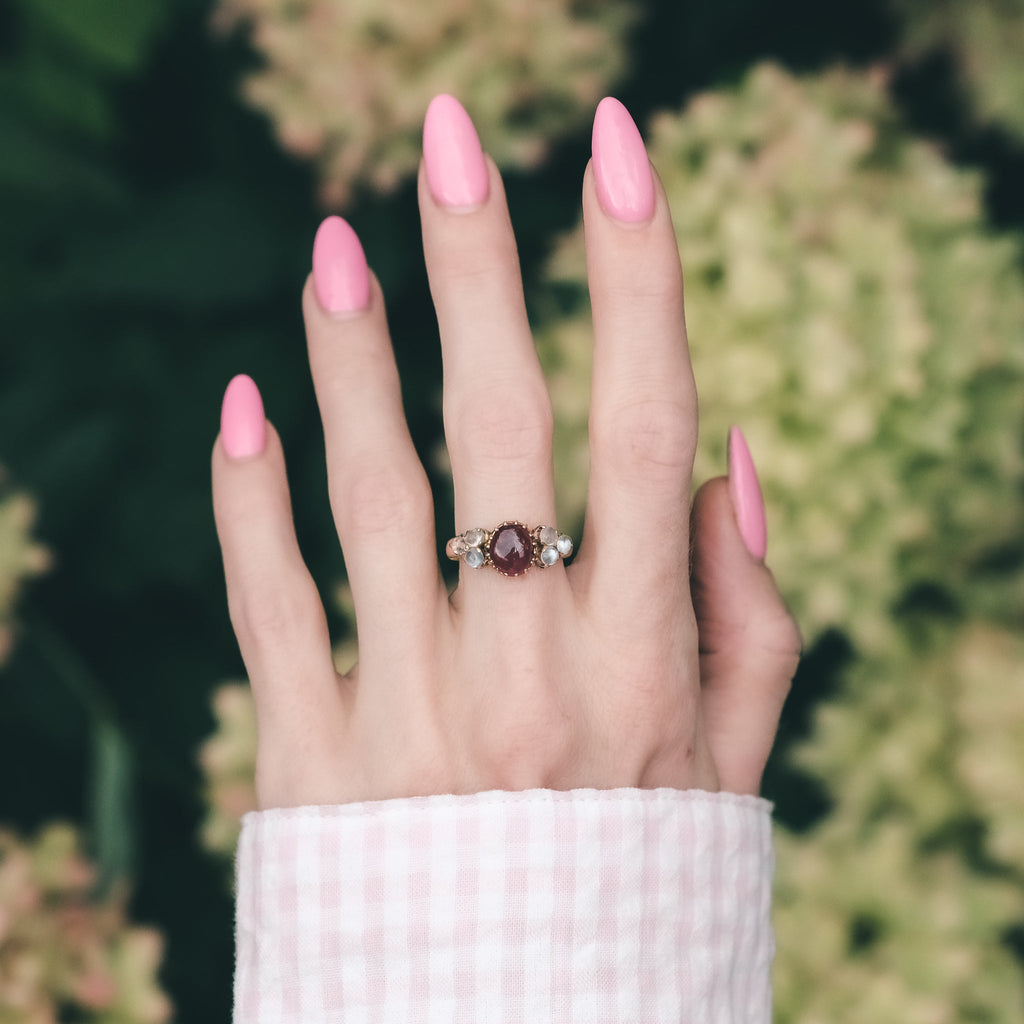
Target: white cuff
{"type": "Point", "coordinates": [595, 906]}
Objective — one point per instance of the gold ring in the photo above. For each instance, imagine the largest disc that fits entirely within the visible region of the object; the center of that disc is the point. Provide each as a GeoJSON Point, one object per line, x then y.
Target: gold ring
{"type": "Point", "coordinates": [510, 548]}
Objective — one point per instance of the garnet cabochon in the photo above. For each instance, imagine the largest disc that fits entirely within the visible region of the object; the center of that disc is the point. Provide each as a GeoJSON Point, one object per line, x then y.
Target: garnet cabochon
{"type": "Point", "coordinates": [511, 549]}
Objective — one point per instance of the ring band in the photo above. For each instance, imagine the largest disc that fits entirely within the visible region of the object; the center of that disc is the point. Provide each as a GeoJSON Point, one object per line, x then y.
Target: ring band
{"type": "Point", "coordinates": [510, 548]}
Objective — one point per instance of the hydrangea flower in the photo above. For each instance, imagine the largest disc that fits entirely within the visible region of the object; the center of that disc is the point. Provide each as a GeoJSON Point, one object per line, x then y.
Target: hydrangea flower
{"type": "Point", "coordinates": [911, 883]}
{"type": "Point", "coordinates": [346, 82]}
{"type": "Point", "coordinates": [873, 926]}
{"type": "Point", "coordinates": [988, 705]}
{"type": "Point", "coordinates": [63, 953]}
{"type": "Point", "coordinates": [984, 38]}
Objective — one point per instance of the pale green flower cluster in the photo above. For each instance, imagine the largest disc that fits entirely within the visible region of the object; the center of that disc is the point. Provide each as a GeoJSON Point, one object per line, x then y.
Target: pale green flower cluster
{"type": "Point", "coordinates": [346, 82]}
{"type": "Point", "coordinates": [872, 927]}
{"type": "Point", "coordinates": [65, 955]}
{"type": "Point", "coordinates": [988, 665]}
{"type": "Point", "coordinates": [849, 309]}
{"type": "Point", "coordinates": [20, 556]}
{"type": "Point", "coordinates": [985, 38]}
{"type": "Point", "coordinates": [896, 906]}
{"type": "Point", "coordinates": [934, 737]}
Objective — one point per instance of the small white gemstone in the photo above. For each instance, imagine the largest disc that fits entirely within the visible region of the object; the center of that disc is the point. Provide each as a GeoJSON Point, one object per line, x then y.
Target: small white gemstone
{"type": "Point", "coordinates": [548, 555]}
{"type": "Point", "coordinates": [474, 558]}
{"type": "Point", "coordinates": [474, 538]}
{"type": "Point", "coordinates": [564, 545]}
{"type": "Point", "coordinates": [458, 546]}
{"type": "Point", "coordinates": [548, 536]}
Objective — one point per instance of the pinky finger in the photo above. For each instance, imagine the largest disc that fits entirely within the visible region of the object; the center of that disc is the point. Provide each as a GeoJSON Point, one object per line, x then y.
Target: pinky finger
{"type": "Point", "coordinates": [275, 607]}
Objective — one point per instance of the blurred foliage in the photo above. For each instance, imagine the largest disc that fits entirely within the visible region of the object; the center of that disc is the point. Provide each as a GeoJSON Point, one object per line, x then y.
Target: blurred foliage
{"type": "Point", "coordinates": [62, 73]}
{"type": "Point", "coordinates": [65, 955]}
{"type": "Point", "coordinates": [851, 304]}
{"type": "Point", "coordinates": [985, 41]}
{"type": "Point", "coordinates": [347, 83]}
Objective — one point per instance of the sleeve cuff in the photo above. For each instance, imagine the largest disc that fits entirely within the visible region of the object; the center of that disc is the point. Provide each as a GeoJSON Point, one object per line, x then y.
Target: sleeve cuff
{"type": "Point", "coordinates": [590, 905]}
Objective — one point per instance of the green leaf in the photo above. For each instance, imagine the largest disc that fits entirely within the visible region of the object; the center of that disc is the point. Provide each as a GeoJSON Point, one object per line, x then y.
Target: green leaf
{"type": "Point", "coordinates": [62, 95]}
{"type": "Point", "coordinates": [36, 163]}
{"type": "Point", "coordinates": [110, 791]}
{"type": "Point", "coordinates": [113, 819]}
{"type": "Point", "coordinates": [201, 246]}
{"type": "Point", "coordinates": [114, 34]}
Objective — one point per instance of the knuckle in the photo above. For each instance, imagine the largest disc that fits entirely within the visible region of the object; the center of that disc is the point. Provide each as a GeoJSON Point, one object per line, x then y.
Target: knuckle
{"type": "Point", "coordinates": [529, 738]}
{"type": "Point", "coordinates": [503, 426]}
{"type": "Point", "coordinates": [381, 498]}
{"type": "Point", "coordinates": [654, 282]}
{"type": "Point", "coordinates": [651, 703]}
{"type": "Point", "coordinates": [533, 750]}
{"type": "Point", "coordinates": [649, 437]}
{"type": "Point", "coordinates": [781, 644]}
{"type": "Point", "coordinates": [274, 618]}
{"type": "Point", "coordinates": [482, 264]}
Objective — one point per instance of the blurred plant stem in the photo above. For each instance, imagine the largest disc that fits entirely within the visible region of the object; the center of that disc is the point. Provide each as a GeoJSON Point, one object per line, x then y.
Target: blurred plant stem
{"type": "Point", "coordinates": [112, 817]}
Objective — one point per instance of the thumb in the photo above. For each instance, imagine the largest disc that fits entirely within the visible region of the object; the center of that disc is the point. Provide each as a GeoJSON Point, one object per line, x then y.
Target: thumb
{"type": "Point", "coordinates": [749, 642]}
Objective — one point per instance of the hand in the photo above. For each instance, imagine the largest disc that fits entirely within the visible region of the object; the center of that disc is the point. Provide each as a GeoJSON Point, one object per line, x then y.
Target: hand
{"type": "Point", "coordinates": [628, 667]}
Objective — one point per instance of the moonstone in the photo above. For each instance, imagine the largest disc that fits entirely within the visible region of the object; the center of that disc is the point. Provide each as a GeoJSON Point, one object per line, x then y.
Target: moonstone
{"type": "Point", "coordinates": [475, 537]}
{"type": "Point", "coordinates": [511, 549]}
{"type": "Point", "coordinates": [564, 545]}
{"type": "Point", "coordinates": [474, 558]}
{"type": "Point", "coordinates": [547, 535]}
{"type": "Point", "coordinates": [548, 555]}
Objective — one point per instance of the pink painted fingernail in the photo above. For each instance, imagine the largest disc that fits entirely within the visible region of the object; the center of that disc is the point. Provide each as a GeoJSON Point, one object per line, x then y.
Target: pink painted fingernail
{"type": "Point", "coordinates": [243, 427]}
{"type": "Point", "coordinates": [456, 169]}
{"type": "Point", "coordinates": [340, 275]}
{"type": "Point", "coordinates": [625, 185]}
{"type": "Point", "coordinates": [747, 499]}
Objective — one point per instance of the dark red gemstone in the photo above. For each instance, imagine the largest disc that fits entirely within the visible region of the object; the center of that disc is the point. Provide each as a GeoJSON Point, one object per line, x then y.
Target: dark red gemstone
{"type": "Point", "coordinates": [511, 549]}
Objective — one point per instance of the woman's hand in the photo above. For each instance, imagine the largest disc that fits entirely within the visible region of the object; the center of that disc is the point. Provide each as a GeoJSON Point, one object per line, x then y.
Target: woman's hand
{"type": "Point", "coordinates": [660, 657]}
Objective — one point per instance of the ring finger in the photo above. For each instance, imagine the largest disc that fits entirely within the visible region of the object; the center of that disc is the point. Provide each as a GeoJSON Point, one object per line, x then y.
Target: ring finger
{"type": "Point", "coordinates": [497, 412]}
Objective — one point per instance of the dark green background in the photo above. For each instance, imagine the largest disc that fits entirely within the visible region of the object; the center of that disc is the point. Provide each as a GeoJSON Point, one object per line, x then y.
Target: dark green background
{"type": "Point", "coordinates": [153, 243]}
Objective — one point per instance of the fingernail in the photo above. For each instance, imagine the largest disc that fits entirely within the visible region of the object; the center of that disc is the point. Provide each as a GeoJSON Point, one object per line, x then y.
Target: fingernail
{"type": "Point", "coordinates": [243, 427]}
{"type": "Point", "coordinates": [456, 170]}
{"type": "Point", "coordinates": [625, 185]}
{"type": "Point", "coordinates": [747, 499]}
{"type": "Point", "coordinates": [340, 275]}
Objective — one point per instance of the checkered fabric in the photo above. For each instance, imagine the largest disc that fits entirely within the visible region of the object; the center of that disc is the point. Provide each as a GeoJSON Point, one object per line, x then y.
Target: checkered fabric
{"type": "Point", "coordinates": [581, 907]}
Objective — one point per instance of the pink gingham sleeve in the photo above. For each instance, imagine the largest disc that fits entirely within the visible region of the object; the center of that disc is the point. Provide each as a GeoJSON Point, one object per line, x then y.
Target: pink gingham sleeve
{"type": "Point", "coordinates": [589, 906]}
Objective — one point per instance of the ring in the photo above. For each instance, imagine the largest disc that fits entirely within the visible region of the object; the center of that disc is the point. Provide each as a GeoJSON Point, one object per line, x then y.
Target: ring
{"type": "Point", "coordinates": [511, 548]}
